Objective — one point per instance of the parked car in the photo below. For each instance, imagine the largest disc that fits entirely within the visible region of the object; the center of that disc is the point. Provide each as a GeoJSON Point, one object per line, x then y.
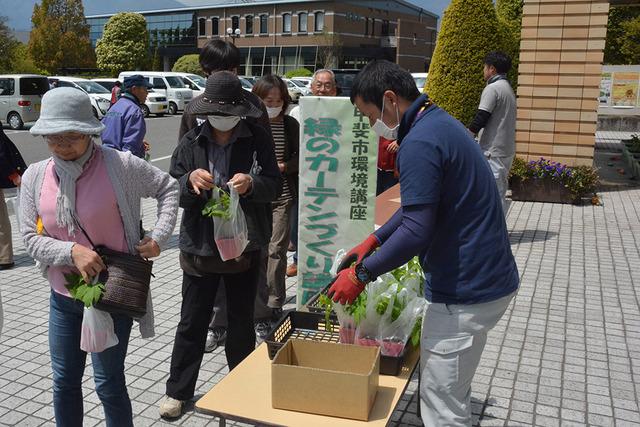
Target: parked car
{"type": "Point", "coordinates": [156, 103]}
{"type": "Point", "coordinates": [246, 84]}
{"type": "Point", "coordinates": [344, 80]}
{"type": "Point", "coordinates": [20, 98]}
{"type": "Point", "coordinates": [421, 80]}
{"type": "Point", "coordinates": [250, 79]}
{"type": "Point", "coordinates": [100, 97]}
{"type": "Point", "coordinates": [305, 81]}
{"type": "Point", "coordinates": [295, 92]}
{"type": "Point", "coordinates": [168, 84]}
{"type": "Point", "coordinates": [194, 82]}
{"type": "Point", "coordinates": [302, 86]}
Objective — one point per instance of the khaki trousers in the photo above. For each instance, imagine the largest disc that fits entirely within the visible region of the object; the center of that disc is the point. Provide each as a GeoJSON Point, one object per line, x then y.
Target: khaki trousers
{"type": "Point", "coordinates": [453, 338]}
{"type": "Point", "coordinates": [277, 261]}
{"type": "Point", "coordinates": [6, 246]}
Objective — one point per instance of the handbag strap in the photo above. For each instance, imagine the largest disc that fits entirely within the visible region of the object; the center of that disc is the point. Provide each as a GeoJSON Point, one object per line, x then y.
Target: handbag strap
{"type": "Point", "coordinates": [93, 246]}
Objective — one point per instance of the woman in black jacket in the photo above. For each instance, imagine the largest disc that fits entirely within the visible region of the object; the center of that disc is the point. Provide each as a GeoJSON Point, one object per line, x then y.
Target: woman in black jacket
{"type": "Point", "coordinates": [224, 151]}
{"type": "Point", "coordinates": [286, 135]}
{"type": "Point", "coordinates": [12, 167]}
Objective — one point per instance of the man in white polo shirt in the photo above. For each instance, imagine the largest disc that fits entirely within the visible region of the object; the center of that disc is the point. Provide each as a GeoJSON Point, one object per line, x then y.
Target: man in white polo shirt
{"type": "Point", "coordinates": [496, 116]}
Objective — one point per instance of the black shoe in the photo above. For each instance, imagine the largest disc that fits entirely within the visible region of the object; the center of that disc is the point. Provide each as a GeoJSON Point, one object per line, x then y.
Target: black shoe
{"type": "Point", "coordinates": [262, 329]}
{"type": "Point", "coordinates": [7, 266]}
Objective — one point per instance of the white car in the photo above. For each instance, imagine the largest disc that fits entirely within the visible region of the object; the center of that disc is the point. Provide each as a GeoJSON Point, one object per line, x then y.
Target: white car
{"type": "Point", "coordinates": [194, 82]}
{"type": "Point", "coordinates": [168, 84]}
{"type": "Point", "coordinates": [306, 81]}
{"type": "Point", "coordinates": [198, 83]}
{"type": "Point", "coordinates": [421, 80]}
{"type": "Point", "coordinates": [306, 90]}
{"type": "Point", "coordinates": [100, 97]}
{"type": "Point", "coordinates": [295, 91]}
{"type": "Point", "coordinates": [156, 103]}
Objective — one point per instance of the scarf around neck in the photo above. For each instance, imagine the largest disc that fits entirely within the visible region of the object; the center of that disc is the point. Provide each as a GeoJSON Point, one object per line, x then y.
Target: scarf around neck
{"type": "Point", "coordinates": [68, 172]}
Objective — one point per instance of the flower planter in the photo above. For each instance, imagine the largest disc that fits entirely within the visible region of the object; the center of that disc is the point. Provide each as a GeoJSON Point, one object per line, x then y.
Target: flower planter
{"type": "Point", "coordinates": [632, 159]}
{"type": "Point", "coordinates": [539, 190]}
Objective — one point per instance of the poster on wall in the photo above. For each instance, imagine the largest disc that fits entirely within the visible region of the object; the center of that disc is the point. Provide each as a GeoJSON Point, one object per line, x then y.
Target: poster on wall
{"type": "Point", "coordinates": [338, 157]}
{"type": "Point", "coordinates": [605, 90]}
{"type": "Point", "coordinates": [624, 92]}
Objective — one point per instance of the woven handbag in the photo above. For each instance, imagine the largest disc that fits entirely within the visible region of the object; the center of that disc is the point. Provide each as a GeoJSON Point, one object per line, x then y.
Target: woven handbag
{"type": "Point", "coordinates": [126, 279]}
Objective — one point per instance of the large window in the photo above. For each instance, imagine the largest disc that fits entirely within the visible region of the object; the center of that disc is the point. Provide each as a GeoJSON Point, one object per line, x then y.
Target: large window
{"type": "Point", "coordinates": [385, 28]}
{"type": "Point", "coordinates": [235, 22]}
{"type": "Point", "coordinates": [7, 86]}
{"type": "Point", "coordinates": [319, 21]}
{"type": "Point", "coordinates": [303, 19]}
{"type": "Point", "coordinates": [264, 24]}
{"type": "Point", "coordinates": [202, 27]}
{"type": "Point", "coordinates": [215, 26]}
{"type": "Point", "coordinates": [248, 24]}
{"type": "Point", "coordinates": [286, 23]}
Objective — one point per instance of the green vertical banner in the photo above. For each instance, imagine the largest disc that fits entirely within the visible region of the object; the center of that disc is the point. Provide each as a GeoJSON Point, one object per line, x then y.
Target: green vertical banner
{"type": "Point", "coordinates": [338, 155]}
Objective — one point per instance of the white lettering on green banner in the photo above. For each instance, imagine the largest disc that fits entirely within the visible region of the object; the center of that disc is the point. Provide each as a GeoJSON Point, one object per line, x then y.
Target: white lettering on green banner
{"type": "Point", "coordinates": [338, 155]}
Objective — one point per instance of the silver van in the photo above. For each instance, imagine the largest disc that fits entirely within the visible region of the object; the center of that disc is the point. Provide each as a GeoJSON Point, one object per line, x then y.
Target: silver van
{"type": "Point", "coordinates": [20, 98]}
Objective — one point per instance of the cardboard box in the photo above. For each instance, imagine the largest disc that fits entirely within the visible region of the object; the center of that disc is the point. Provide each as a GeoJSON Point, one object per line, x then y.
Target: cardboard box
{"type": "Point", "coordinates": [323, 378]}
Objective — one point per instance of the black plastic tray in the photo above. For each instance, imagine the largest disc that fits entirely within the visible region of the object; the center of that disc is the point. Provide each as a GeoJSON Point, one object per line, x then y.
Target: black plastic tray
{"type": "Point", "coordinates": [313, 305]}
{"type": "Point", "coordinates": [312, 327]}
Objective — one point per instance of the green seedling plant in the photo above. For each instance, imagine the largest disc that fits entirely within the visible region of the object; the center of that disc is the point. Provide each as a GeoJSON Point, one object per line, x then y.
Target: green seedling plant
{"type": "Point", "coordinates": [219, 207]}
{"type": "Point", "coordinates": [327, 304]}
{"type": "Point", "coordinates": [79, 289]}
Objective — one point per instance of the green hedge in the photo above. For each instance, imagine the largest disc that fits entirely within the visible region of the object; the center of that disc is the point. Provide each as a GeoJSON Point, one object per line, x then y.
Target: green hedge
{"type": "Point", "coordinates": [469, 30]}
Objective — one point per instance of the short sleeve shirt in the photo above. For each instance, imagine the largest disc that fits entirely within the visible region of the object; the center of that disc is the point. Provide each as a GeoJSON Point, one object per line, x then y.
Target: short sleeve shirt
{"type": "Point", "coordinates": [499, 134]}
{"type": "Point", "coordinates": [469, 260]}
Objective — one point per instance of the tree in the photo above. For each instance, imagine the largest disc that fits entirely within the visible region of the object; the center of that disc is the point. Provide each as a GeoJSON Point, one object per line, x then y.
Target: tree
{"type": "Point", "coordinates": [630, 41]}
{"type": "Point", "coordinates": [329, 50]}
{"type": "Point", "coordinates": [60, 36]}
{"type": "Point", "coordinates": [156, 64]}
{"type": "Point", "coordinates": [124, 44]}
{"type": "Point", "coordinates": [8, 45]}
{"type": "Point", "coordinates": [509, 14]}
{"type": "Point", "coordinates": [469, 31]}
{"type": "Point", "coordinates": [23, 63]}
{"type": "Point", "coordinates": [188, 64]}
{"type": "Point", "coordinates": [616, 33]}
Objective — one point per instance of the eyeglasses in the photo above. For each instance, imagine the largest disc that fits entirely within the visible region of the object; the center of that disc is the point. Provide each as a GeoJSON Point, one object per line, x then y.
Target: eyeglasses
{"type": "Point", "coordinates": [68, 139]}
{"type": "Point", "coordinates": [320, 85]}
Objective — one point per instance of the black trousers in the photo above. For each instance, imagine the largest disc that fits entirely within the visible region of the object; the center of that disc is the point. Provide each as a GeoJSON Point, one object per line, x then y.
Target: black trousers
{"type": "Point", "coordinates": [198, 296]}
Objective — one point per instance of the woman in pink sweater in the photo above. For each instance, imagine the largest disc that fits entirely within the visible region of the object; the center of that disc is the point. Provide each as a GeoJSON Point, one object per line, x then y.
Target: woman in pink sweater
{"type": "Point", "coordinates": [84, 184]}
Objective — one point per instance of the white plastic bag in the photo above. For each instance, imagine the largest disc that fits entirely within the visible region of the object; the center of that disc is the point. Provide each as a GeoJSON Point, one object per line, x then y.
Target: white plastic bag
{"type": "Point", "coordinates": [231, 235]}
{"type": "Point", "coordinates": [98, 333]}
{"type": "Point", "coordinates": [395, 334]}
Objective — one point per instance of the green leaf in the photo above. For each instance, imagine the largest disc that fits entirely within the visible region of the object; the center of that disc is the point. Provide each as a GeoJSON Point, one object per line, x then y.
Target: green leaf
{"type": "Point", "coordinates": [82, 291]}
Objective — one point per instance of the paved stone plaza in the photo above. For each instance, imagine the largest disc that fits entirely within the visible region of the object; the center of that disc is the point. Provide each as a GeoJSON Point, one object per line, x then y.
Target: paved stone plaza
{"type": "Point", "coordinates": [567, 352]}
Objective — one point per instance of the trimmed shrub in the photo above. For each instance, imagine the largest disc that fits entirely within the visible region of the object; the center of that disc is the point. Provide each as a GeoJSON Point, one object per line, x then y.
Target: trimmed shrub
{"type": "Point", "coordinates": [469, 31]}
{"type": "Point", "coordinates": [124, 44]}
{"type": "Point", "coordinates": [510, 18]}
{"type": "Point", "coordinates": [188, 64]}
{"type": "Point", "coordinates": [298, 72]}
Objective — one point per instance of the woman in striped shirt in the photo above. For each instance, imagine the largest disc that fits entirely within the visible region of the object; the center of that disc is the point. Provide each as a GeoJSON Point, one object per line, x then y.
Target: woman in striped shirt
{"type": "Point", "coordinates": [286, 133]}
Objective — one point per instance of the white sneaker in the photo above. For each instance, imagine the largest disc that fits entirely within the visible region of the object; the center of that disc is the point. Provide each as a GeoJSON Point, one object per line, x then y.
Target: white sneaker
{"type": "Point", "coordinates": [171, 408]}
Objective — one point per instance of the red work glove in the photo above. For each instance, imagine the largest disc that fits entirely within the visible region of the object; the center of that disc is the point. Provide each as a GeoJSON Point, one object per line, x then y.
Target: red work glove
{"type": "Point", "coordinates": [360, 252]}
{"type": "Point", "coordinates": [346, 286]}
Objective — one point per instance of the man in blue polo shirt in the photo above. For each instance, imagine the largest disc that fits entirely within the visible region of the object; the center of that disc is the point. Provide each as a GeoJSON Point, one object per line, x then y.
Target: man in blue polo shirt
{"type": "Point", "coordinates": [451, 217]}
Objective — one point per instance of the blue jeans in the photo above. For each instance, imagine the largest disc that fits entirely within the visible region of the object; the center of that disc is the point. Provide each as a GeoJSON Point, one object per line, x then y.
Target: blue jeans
{"type": "Point", "coordinates": [68, 362]}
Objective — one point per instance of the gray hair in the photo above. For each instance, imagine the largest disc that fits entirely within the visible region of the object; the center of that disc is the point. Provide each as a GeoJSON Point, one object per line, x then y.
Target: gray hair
{"type": "Point", "coordinates": [324, 70]}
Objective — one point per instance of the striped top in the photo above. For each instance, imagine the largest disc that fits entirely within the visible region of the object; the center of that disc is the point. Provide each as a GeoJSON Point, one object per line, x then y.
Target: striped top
{"type": "Point", "coordinates": [277, 130]}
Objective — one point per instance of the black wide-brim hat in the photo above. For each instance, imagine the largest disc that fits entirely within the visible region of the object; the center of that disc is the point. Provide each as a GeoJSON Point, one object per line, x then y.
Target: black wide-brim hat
{"type": "Point", "coordinates": [223, 96]}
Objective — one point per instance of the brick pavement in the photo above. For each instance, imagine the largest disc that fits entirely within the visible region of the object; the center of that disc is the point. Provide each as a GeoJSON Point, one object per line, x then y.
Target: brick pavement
{"type": "Point", "coordinates": [567, 351]}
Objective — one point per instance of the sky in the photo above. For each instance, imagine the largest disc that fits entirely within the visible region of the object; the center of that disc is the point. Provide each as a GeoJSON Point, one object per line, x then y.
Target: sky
{"type": "Point", "coordinates": [19, 12]}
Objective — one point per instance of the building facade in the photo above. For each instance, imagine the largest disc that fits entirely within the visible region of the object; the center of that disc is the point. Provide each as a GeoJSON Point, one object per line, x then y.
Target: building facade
{"type": "Point", "coordinates": [280, 36]}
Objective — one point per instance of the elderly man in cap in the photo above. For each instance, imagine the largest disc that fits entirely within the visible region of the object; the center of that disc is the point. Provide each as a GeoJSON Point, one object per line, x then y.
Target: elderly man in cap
{"type": "Point", "coordinates": [124, 122]}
